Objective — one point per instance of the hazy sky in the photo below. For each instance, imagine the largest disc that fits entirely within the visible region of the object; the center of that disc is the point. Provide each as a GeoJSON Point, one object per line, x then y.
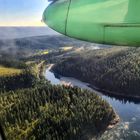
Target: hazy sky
{"type": "Point", "coordinates": [22, 12]}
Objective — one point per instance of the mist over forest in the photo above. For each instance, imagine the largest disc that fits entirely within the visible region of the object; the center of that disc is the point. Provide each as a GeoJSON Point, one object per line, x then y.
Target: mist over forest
{"type": "Point", "coordinates": [24, 41]}
{"type": "Point", "coordinates": [21, 32]}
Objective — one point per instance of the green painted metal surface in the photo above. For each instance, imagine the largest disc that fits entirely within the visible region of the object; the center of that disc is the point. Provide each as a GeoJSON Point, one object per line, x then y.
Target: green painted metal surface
{"type": "Point", "coordinates": [101, 21]}
{"type": "Point", "coordinates": [55, 16]}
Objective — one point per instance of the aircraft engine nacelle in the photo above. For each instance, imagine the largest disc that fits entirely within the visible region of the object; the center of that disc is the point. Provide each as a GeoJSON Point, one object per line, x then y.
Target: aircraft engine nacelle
{"type": "Point", "coordinates": [100, 21]}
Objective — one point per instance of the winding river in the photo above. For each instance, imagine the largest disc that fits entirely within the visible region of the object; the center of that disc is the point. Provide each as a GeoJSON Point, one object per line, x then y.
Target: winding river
{"type": "Point", "coordinates": [129, 111]}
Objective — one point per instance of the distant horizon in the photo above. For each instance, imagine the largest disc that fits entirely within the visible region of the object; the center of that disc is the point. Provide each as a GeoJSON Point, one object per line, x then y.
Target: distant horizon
{"type": "Point", "coordinates": [11, 32]}
{"type": "Point", "coordinates": [32, 25]}
{"type": "Point", "coordinates": [23, 26]}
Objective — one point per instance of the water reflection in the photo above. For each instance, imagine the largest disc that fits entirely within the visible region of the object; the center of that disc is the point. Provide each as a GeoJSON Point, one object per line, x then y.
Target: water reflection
{"type": "Point", "coordinates": [127, 108]}
{"type": "Point", "coordinates": [57, 79]}
{"type": "Point", "coordinates": [123, 100]}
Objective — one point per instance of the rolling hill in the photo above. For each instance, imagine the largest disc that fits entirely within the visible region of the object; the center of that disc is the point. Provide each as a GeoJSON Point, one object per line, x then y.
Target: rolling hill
{"type": "Point", "coordinates": [114, 70]}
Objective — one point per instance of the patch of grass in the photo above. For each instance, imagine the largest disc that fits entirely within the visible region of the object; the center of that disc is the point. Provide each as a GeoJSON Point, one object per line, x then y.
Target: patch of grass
{"type": "Point", "coordinates": [45, 52]}
{"type": "Point", "coordinates": [5, 71]}
{"type": "Point", "coordinates": [67, 48]}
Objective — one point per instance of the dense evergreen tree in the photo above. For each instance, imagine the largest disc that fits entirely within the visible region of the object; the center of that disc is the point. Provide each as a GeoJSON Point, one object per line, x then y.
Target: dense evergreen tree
{"type": "Point", "coordinates": [33, 109]}
{"type": "Point", "coordinates": [52, 112]}
{"type": "Point", "coordinates": [115, 70]}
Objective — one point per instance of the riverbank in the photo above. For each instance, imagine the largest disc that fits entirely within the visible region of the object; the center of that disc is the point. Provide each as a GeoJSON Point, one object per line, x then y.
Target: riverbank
{"type": "Point", "coordinates": [128, 110]}
{"type": "Point", "coordinates": [116, 94]}
{"type": "Point", "coordinates": [116, 71]}
{"type": "Point", "coordinates": [96, 88]}
{"type": "Point", "coordinates": [116, 119]}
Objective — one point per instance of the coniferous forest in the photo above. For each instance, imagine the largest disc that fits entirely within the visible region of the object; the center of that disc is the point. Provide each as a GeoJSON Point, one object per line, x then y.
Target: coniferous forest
{"type": "Point", "coordinates": [113, 70]}
{"type": "Point", "coordinates": [33, 109]}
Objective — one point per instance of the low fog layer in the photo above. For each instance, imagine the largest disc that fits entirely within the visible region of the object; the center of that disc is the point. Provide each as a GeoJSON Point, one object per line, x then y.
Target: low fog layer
{"type": "Point", "coordinates": [19, 42]}
{"type": "Point", "coordinates": [20, 32]}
